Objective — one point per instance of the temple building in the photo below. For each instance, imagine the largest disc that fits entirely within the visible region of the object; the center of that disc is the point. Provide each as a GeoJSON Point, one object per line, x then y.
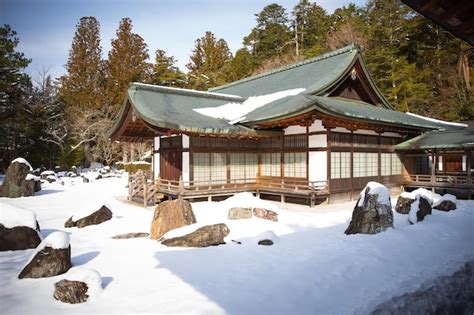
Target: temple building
{"type": "Point", "coordinates": [316, 130]}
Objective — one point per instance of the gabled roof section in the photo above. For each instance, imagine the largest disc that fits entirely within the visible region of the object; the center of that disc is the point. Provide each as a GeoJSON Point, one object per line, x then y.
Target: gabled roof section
{"type": "Point", "coordinates": [163, 108]}
{"type": "Point", "coordinates": [317, 75]}
{"type": "Point", "coordinates": [440, 140]}
{"type": "Point", "coordinates": [343, 108]}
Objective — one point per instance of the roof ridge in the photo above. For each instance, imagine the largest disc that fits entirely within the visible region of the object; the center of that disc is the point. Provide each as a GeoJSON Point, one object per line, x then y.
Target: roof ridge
{"type": "Point", "coordinates": [188, 92]}
{"type": "Point", "coordinates": [333, 53]}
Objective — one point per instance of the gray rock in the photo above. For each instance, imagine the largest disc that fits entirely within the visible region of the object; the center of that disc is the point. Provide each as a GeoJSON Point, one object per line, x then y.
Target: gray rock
{"type": "Point", "coordinates": [209, 235]}
{"type": "Point", "coordinates": [265, 214]}
{"type": "Point", "coordinates": [403, 205]}
{"type": "Point", "coordinates": [265, 242]}
{"type": "Point", "coordinates": [372, 217]}
{"type": "Point", "coordinates": [18, 238]}
{"type": "Point", "coordinates": [424, 208]}
{"type": "Point", "coordinates": [99, 216]}
{"type": "Point", "coordinates": [446, 205]}
{"type": "Point", "coordinates": [171, 215]}
{"type": "Point", "coordinates": [239, 213]}
{"type": "Point", "coordinates": [130, 235]}
{"type": "Point", "coordinates": [72, 292]}
{"type": "Point", "coordinates": [48, 262]}
{"type": "Point", "coordinates": [15, 185]}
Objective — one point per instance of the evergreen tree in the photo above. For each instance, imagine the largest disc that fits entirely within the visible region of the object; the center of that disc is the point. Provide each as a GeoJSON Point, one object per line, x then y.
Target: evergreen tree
{"type": "Point", "coordinates": [165, 72]}
{"type": "Point", "coordinates": [82, 85]}
{"type": "Point", "coordinates": [14, 89]}
{"type": "Point", "coordinates": [272, 35]}
{"type": "Point", "coordinates": [311, 24]}
{"type": "Point", "coordinates": [241, 66]}
{"type": "Point", "coordinates": [127, 62]}
{"type": "Point", "coordinates": [208, 61]}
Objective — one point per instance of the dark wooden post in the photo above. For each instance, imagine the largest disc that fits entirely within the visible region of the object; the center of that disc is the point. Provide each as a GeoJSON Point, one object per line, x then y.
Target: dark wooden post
{"type": "Point", "coordinates": [469, 175]}
{"type": "Point", "coordinates": [433, 170]}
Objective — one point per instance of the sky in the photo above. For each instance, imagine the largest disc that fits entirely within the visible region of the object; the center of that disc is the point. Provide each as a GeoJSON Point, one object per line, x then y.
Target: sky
{"type": "Point", "coordinates": [46, 27]}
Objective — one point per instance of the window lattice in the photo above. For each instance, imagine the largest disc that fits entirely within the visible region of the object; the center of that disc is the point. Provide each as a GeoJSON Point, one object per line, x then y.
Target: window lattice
{"type": "Point", "coordinates": [295, 164]}
{"type": "Point", "coordinates": [365, 164]}
{"type": "Point", "coordinates": [271, 164]}
{"type": "Point", "coordinates": [340, 165]}
{"type": "Point", "coordinates": [296, 141]}
{"type": "Point", "coordinates": [243, 166]}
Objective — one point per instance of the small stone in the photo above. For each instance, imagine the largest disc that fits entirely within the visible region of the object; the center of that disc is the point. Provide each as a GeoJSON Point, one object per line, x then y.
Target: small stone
{"type": "Point", "coordinates": [237, 213]}
{"type": "Point", "coordinates": [72, 292]}
{"type": "Point", "coordinates": [265, 214]}
{"type": "Point", "coordinates": [130, 235]}
{"type": "Point", "coordinates": [265, 242]}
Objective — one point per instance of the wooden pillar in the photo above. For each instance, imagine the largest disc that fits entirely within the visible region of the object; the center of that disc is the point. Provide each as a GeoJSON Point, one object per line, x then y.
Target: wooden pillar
{"type": "Point", "coordinates": [351, 165]}
{"type": "Point", "coordinates": [132, 152]}
{"type": "Point", "coordinates": [470, 184]}
{"type": "Point", "coordinates": [433, 170]}
{"type": "Point", "coordinates": [328, 161]}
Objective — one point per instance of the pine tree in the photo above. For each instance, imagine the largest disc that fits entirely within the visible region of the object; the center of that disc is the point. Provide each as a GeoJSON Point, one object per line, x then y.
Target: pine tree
{"type": "Point", "coordinates": [208, 61]}
{"type": "Point", "coordinates": [311, 24]}
{"type": "Point", "coordinates": [272, 35]}
{"type": "Point", "coordinates": [127, 62]}
{"type": "Point", "coordinates": [242, 65]}
{"type": "Point", "coordinates": [14, 89]}
{"type": "Point", "coordinates": [82, 85]}
{"type": "Point", "coordinates": [165, 72]}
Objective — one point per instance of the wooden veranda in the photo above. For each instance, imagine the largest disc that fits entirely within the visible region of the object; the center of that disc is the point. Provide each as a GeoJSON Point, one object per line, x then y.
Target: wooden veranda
{"type": "Point", "coordinates": [142, 189]}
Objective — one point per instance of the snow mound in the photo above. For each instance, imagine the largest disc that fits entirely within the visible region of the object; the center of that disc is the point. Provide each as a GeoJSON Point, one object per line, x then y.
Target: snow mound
{"type": "Point", "coordinates": [46, 173]}
{"type": "Point", "coordinates": [32, 177]}
{"type": "Point", "coordinates": [22, 161]}
{"type": "Point", "coordinates": [376, 189]}
{"type": "Point", "coordinates": [90, 277]}
{"type": "Point", "coordinates": [446, 197]}
{"type": "Point", "coordinates": [236, 111]}
{"type": "Point", "coordinates": [11, 216]}
{"type": "Point", "coordinates": [433, 198]}
{"type": "Point", "coordinates": [87, 210]}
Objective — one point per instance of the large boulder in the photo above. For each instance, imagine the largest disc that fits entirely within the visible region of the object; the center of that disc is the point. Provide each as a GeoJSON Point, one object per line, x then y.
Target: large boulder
{"type": "Point", "coordinates": [265, 214]}
{"type": "Point", "coordinates": [209, 235]}
{"type": "Point", "coordinates": [404, 203]}
{"type": "Point", "coordinates": [170, 215]}
{"type": "Point", "coordinates": [52, 257]}
{"type": "Point", "coordinates": [15, 184]}
{"type": "Point", "coordinates": [78, 286]}
{"type": "Point", "coordinates": [238, 213]}
{"type": "Point", "coordinates": [72, 292]}
{"type": "Point", "coordinates": [373, 212]}
{"type": "Point", "coordinates": [18, 228]}
{"type": "Point", "coordinates": [96, 217]}
{"type": "Point", "coordinates": [420, 208]}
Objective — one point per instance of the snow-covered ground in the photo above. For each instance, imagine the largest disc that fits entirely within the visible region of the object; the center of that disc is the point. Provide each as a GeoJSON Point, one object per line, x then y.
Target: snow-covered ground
{"type": "Point", "coordinates": [313, 267]}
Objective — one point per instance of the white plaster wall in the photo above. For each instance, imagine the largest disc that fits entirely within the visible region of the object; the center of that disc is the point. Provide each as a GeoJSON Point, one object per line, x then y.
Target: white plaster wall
{"type": "Point", "coordinates": [186, 167]}
{"type": "Point", "coordinates": [464, 163]}
{"type": "Point", "coordinates": [185, 142]}
{"type": "Point", "coordinates": [157, 143]}
{"type": "Point", "coordinates": [391, 134]}
{"type": "Point", "coordinates": [317, 166]}
{"type": "Point", "coordinates": [156, 164]}
{"type": "Point", "coordinates": [366, 132]}
{"type": "Point", "coordinates": [440, 163]}
{"type": "Point", "coordinates": [317, 126]}
{"type": "Point", "coordinates": [340, 129]}
{"type": "Point", "coordinates": [291, 130]}
{"type": "Point", "coordinates": [318, 141]}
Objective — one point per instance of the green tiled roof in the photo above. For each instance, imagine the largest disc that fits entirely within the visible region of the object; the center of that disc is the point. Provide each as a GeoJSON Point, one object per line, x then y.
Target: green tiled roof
{"type": "Point", "coordinates": [171, 108]}
{"type": "Point", "coordinates": [439, 140]}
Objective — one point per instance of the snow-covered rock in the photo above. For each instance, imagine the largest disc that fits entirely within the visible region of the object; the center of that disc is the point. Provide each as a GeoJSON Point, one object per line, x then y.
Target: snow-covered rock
{"type": "Point", "coordinates": [373, 211]}
{"type": "Point", "coordinates": [78, 286]}
{"type": "Point", "coordinates": [209, 235]}
{"type": "Point", "coordinates": [89, 216]}
{"type": "Point", "coordinates": [18, 228]}
{"type": "Point", "coordinates": [419, 208]}
{"type": "Point", "coordinates": [15, 184]}
{"type": "Point", "coordinates": [22, 161]}
{"type": "Point", "coordinates": [52, 257]}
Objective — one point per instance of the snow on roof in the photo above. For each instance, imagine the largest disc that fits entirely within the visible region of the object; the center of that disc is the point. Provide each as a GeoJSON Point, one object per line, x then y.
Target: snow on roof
{"type": "Point", "coordinates": [375, 189]}
{"type": "Point", "coordinates": [12, 216]}
{"type": "Point", "coordinates": [235, 112]}
{"type": "Point", "coordinates": [438, 120]}
{"type": "Point", "coordinates": [22, 161]}
{"type": "Point", "coordinates": [166, 89]}
{"type": "Point", "coordinates": [90, 277]}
